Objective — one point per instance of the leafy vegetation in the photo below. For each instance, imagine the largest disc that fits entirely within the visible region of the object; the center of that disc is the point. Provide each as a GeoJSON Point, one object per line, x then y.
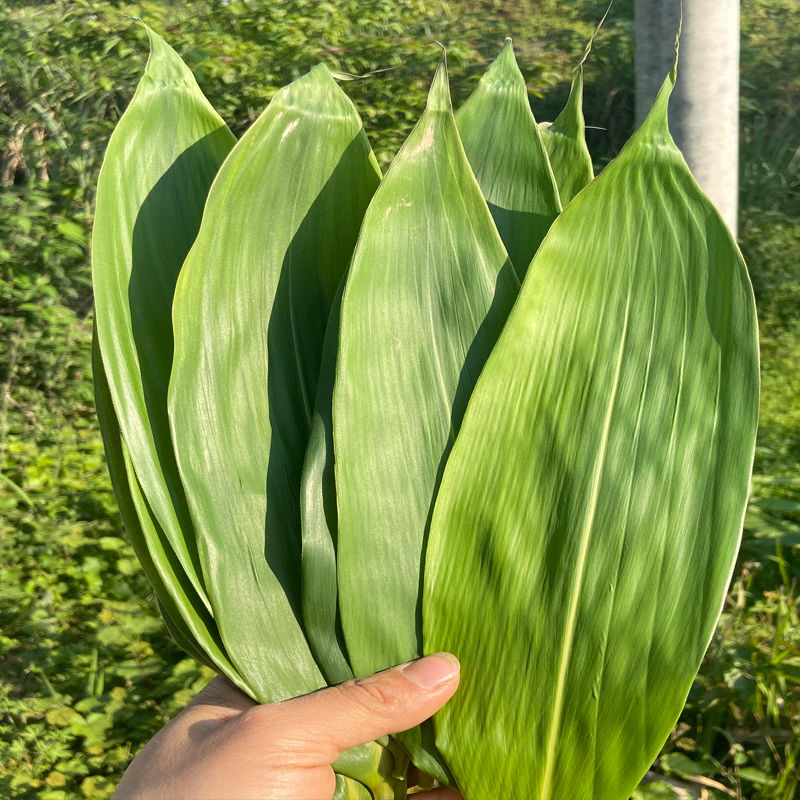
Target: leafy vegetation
{"type": "Point", "coordinates": [88, 672]}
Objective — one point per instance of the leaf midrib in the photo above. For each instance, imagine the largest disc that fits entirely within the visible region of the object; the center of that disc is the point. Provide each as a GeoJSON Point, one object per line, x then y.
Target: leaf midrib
{"type": "Point", "coordinates": [586, 535]}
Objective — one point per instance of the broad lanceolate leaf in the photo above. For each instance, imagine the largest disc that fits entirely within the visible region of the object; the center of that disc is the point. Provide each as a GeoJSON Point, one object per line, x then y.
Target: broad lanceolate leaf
{"type": "Point", "coordinates": [159, 164]}
{"type": "Point", "coordinates": [186, 617]}
{"type": "Point", "coordinates": [250, 312]}
{"type": "Point", "coordinates": [565, 141]}
{"type": "Point", "coordinates": [428, 290]}
{"type": "Point", "coordinates": [590, 511]}
{"type": "Point", "coordinates": [505, 149]}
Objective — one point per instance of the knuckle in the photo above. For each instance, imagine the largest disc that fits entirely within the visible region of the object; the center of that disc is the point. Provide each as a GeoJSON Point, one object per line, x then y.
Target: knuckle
{"type": "Point", "coordinates": [376, 695]}
{"type": "Point", "coordinates": [258, 716]}
{"type": "Point", "coordinates": [258, 721]}
{"type": "Point", "coordinates": [261, 726]}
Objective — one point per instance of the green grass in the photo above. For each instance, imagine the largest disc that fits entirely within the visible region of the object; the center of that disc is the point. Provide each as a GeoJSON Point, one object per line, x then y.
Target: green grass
{"type": "Point", "coordinates": [88, 671]}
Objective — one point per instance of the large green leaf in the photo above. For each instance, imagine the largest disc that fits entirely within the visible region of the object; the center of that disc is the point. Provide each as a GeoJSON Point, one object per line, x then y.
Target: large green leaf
{"type": "Point", "coordinates": [565, 140]}
{"type": "Point", "coordinates": [505, 149]}
{"type": "Point", "coordinates": [186, 617]}
{"type": "Point", "coordinates": [250, 311]}
{"type": "Point", "coordinates": [427, 293]}
{"type": "Point", "coordinates": [159, 165]}
{"type": "Point", "coordinates": [589, 515]}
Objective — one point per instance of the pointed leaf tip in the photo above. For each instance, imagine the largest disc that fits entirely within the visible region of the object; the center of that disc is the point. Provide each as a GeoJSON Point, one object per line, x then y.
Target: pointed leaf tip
{"type": "Point", "coordinates": [322, 73]}
{"type": "Point", "coordinates": [158, 45]}
{"type": "Point", "coordinates": [316, 92]}
{"type": "Point", "coordinates": [322, 77]}
{"type": "Point", "coordinates": [164, 65]}
{"type": "Point", "coordinates": [504, 148]}
{"type": "Point", "coordinates": [656, 123]}
{"type": "Point", "coordinates": [504, 67]}
{"type": "Point", "coordinates": [504, 71]}
{"type": "Point", "coordinates": [439, 94]}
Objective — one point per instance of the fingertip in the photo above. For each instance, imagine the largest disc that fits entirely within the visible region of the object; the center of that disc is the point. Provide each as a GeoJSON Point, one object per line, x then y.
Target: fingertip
{"type": "Point", "coordinates": [434, 671]}
{"type": "Point", "coordinates": [367, 708]}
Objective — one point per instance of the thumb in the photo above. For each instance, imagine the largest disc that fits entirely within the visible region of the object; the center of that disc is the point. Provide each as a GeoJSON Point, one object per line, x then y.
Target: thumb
{"type": "Point", "coordinates": [365, 709]}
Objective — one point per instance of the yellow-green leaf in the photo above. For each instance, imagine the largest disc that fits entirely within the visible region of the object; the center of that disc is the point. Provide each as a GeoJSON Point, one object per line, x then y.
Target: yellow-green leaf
{"type": "Point", "coordinates": [565, 140]}
{"type": "Point", "coordinates": [590, 511]}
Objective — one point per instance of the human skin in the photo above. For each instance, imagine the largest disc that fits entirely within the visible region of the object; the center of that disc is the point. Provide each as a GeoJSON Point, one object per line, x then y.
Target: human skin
{"type": "Point", "coordinates": [224, 746]}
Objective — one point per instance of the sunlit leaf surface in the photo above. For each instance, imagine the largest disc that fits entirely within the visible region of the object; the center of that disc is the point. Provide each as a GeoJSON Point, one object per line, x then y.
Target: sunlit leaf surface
{"type": "Point", "coordinates": [589, 515]}
{"type": "Point", "coordinates": [428, 290]}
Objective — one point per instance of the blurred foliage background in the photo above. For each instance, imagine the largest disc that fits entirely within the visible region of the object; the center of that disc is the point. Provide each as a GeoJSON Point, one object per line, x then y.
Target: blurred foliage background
{"type": "Point", "coordinates": [87, 673]}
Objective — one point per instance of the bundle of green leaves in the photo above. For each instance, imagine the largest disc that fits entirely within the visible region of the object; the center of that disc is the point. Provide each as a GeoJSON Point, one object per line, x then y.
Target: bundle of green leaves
{"type": "Point", "coordinates": [351, 418]}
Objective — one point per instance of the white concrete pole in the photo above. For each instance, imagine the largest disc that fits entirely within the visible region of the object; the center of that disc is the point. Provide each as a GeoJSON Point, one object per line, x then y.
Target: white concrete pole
{"type": "Point", "coordinates": [704, 111]}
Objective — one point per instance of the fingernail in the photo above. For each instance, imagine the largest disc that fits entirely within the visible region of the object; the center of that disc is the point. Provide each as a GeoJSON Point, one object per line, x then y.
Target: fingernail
{"type": "Point", "coordinates": [432, 671]}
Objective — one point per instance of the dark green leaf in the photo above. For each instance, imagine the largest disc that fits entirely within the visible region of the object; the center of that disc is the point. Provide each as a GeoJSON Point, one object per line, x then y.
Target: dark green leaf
{"type": "Point", "coordinates": [250, 312]}
{"type": "Point", "coordinates": [187, 618]}
{"type": "Point", "coordinates": [159, 165]}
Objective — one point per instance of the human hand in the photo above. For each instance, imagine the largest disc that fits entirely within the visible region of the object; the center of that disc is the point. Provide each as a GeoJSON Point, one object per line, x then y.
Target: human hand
{"type": "Point", "coordinates": [225, 746]}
